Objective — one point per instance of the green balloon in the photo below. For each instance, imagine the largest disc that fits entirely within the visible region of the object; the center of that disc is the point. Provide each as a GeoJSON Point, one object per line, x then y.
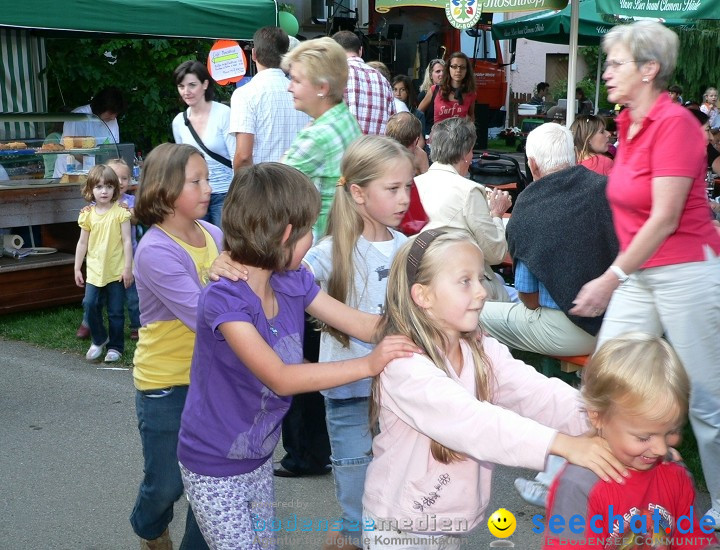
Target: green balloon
{"type": "Point", "coordinates": [288, 22]}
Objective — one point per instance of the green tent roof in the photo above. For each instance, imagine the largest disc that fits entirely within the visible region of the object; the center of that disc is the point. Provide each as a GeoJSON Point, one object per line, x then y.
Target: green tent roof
{"type": "Point", "coordinates": [553, 26]}
{"type": "Point", "coordinates": [233, 19]}
{"type": "Point", "coordinates": [677, 9]}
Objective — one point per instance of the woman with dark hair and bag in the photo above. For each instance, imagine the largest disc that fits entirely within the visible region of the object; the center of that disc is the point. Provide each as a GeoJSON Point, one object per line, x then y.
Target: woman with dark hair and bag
{"type": "Point", "coordinates": [204, 125]}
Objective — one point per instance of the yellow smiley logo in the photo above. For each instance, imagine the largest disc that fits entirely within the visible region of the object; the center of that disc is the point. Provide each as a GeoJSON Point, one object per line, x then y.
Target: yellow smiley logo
{"type": "Point", "coordinates": [501, 523]}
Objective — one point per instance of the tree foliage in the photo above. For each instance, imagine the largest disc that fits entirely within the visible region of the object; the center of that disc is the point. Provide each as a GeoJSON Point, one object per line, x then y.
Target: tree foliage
{"type": "Point", "coordinates": [698, 65]}
{"type": "Point", "coordinates": [142, 69]}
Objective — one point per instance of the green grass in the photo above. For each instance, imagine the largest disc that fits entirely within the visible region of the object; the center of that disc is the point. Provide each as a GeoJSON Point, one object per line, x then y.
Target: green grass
{"type": "Point", "coordinates": [54, 328]}
{"type": "Point", "coordinates": [499, 146]}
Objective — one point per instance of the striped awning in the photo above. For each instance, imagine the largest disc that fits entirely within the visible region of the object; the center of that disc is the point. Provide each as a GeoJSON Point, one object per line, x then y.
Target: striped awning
{"type": "Point", "coordinates": [23, 79]}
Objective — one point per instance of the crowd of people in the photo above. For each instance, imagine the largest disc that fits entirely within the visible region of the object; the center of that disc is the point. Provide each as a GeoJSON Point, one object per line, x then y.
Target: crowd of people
{"type": "Point", "coordinates": [310, 202]}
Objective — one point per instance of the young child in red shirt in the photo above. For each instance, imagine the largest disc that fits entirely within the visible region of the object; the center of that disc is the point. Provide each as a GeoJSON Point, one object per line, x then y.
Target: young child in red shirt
{"type": "Point", "coordinates": [636, 393]}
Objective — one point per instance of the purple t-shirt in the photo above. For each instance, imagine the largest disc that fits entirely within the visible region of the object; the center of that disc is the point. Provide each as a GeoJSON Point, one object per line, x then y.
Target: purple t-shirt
{"type": "Point", "coordinates": [231, 421]}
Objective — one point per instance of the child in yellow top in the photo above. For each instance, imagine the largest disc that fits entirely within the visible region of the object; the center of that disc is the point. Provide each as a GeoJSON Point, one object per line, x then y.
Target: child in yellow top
{"type": "Point", "coordinates": [105, 238]}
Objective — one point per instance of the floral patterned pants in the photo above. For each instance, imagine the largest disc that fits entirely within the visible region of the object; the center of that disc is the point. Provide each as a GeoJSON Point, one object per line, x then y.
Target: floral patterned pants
{"type": "Point", "coordinates": [234, 511]}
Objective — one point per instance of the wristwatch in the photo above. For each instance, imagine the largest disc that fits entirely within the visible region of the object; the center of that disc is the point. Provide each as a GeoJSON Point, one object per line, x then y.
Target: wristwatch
{"type": "Point", "coordinates": [619, 273]}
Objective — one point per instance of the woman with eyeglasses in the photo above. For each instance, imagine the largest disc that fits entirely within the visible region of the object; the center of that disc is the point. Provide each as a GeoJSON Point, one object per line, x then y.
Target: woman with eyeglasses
{"type": "Point", "coordinates": [433, 77]}
{"type": "Point", "coordinates": [454, 97]}
{"type": "Point", "coordinates": [666, 279]}
{"type": "Point", "coordinates": [591, 140]}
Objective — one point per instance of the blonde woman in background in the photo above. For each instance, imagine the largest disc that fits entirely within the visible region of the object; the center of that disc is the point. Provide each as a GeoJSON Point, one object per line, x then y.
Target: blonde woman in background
{"type": "Point", "coordinates": [433, 77]}
{"type": "Point", "coordinates": [709, 106]}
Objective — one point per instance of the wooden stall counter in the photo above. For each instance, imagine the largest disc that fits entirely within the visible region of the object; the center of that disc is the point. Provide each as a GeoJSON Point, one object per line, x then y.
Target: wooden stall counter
{"type": "Point", "coordinates": [38, 281]}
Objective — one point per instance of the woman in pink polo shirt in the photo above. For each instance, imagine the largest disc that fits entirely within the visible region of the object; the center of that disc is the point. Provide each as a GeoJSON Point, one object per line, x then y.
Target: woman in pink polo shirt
{"type": "Point", "coordinates": [666, 278]}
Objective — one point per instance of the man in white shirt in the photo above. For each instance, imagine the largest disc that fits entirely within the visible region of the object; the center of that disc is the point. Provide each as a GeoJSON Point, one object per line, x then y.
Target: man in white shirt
{"type": "Point", "coordinates": [262, 113]}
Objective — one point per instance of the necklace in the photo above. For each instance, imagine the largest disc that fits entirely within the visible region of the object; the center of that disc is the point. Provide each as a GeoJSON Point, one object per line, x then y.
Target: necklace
{"type": "Point", "coordinates": [274, 314]}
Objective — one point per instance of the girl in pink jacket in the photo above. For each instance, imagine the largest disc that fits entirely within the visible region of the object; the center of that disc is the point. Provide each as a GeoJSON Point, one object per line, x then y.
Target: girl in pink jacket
{"type": "Point", "coordinates": [448, 415]}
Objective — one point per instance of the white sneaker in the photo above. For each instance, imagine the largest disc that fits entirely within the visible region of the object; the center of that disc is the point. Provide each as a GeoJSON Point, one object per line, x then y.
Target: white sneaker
{"type": "Point", "coordinates": [94, 353]}
{"type": "Point", "coordinates": [112, 356]}
{"type": "Point", "coordinates": [531, 491]}
{"type": "Point", "coordinates": [715, 514]}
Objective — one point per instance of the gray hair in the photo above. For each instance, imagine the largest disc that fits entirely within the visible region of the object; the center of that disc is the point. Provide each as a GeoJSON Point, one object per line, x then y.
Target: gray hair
{"type": "Point", "coordinates": [551, 146]}
{"type": "Point", "coordinates": [647, 41]}
{"type": "Point", "coordinates": [451, 140]}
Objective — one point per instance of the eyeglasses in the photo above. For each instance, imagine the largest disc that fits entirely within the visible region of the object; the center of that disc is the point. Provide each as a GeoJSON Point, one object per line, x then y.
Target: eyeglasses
{"type": "Point", "coordinates": [458, 67]}
{"type": "Point", "coordinates": [615, 64]}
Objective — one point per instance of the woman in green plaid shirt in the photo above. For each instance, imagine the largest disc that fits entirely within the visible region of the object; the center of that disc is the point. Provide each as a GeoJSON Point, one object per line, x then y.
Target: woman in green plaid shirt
{"type": "Point", "coordinates": [318, 76]}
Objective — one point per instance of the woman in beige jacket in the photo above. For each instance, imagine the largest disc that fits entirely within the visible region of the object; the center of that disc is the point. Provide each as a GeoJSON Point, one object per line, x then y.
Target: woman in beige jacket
{"type": "Point", "coordinates": [455, 203]}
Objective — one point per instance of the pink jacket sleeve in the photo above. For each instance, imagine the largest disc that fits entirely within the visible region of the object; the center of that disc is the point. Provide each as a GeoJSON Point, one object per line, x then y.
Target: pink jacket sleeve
{"type": "Point", "coordinates": [519, 387]}
{"type": "Point", "coordinates": [442, 409]}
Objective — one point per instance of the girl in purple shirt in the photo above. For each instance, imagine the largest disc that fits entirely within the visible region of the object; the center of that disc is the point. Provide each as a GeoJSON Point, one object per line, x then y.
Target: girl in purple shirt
{"type": "Point", "coordinates": [248, 355]}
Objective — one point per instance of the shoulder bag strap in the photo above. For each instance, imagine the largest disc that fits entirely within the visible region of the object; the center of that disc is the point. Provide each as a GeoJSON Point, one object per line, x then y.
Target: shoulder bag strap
{"type": "Point", "coordinates": [219, 158]}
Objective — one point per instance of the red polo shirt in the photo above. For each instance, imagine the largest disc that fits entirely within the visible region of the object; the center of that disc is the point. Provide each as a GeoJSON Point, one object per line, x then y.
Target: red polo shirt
{"type": "Point", "coordinates": [670, 143]}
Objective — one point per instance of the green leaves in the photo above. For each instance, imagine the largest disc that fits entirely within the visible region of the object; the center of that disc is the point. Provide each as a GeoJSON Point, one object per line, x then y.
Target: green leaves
{"type": "Point", "coordinates": [698, 64]}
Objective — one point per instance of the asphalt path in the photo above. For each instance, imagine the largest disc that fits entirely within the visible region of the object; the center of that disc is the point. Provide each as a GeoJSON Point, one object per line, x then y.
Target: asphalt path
{"type": "Point", "coordinates": [70, 464]}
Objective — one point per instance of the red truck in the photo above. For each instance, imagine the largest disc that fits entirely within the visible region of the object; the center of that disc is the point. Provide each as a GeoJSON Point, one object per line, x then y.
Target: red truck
{"type": "Point", "coordinates": [428, 30]}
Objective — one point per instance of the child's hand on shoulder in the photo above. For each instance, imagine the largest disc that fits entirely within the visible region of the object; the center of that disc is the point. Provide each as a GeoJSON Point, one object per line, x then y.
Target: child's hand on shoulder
{"type": "Point", "coordinates": [224, 266]}
{"type": "Point", "coordinates": [389, 348]}
{"type": "Point", "coordinates": [591, 452]}
{"type": "Point", "coordinates": [85, 209]}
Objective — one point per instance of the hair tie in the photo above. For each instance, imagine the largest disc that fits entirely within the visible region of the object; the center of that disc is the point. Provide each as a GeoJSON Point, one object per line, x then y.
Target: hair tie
{"type": "Point", "coordinates": [417, 250]}
{"type": "Point", "coordinates": [341, 182]}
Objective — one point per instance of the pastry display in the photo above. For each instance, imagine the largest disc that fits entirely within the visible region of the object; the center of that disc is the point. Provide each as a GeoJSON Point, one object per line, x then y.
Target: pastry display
{"type": "Point", "coordinates": [13, 146]}
{"type": "Point", "coordinates": [73, 178]}
{"type": "Point", "coordinates": [51, 147]}
{"type": "Point", "coordinates": [78, 142]}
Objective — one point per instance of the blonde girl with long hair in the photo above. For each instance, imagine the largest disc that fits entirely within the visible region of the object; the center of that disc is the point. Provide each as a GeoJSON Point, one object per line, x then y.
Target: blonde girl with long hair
{"type": "Point", "coordinates": [446, 415]}
{"type": "Point", "coordinates": [352, 264]}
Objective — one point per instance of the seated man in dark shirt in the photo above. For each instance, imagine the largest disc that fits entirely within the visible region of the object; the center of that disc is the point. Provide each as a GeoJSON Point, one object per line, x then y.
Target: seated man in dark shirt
{"type": "Point", "coordinates": [560, 236]}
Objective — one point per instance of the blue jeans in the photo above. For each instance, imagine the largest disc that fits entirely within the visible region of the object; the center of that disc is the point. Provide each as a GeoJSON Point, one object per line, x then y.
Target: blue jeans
{"type": "Point", "coordinates": [158, 413]}
{"type": "Point", "coordinates": [214, 213]}
{"type": "Point", "coordinates": [114, 294]}
{"type": "Point", "coordinates": [351, 451]}
{"type": "Point", "coordinates": [133, 306]}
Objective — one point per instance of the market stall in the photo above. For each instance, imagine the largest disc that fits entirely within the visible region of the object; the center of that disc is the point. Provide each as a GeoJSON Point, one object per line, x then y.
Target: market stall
{"type": "Point", "coordinates": [43, 205]}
